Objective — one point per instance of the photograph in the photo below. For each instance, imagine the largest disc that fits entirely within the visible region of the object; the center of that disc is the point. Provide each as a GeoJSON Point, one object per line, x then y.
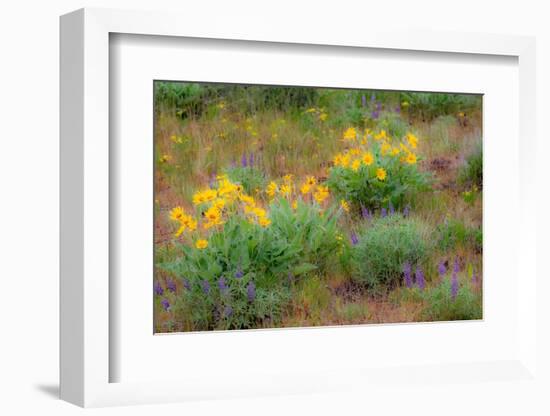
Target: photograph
{"type": "Point", "coordinates": [300, 206]}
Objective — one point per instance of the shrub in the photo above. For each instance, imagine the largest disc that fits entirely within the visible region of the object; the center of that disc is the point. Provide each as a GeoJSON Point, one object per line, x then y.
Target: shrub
{"type": "Point", "coordinates": [454, 233]}
{"type": "Point", "coordinates": [440, 305]}
{"type": "Point", "coordinates": [471, 174]}
{"type": "Point", "coordinates": [377, 171]}
{"type": "Point", "coordinates": [383, 248]}
{"type": "Point", "coordinates": [428, 106]}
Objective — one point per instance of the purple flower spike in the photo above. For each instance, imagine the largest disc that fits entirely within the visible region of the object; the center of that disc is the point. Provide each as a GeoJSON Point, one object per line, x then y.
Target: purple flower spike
{"type": "Point", "coordinates": [205, 287]}
{"type": "Point", "coordinates": [251, 160]}
{"type": "Point", "coordinates": [186, 284]}
{"type": "Point", "coordinates": [365, 213]}
{"type": "Point", "coordinates": [392, 209]}
{"type": "Point", "coordinates": [228, 311]}
{"type": "Point", "coordinates": [239, 273]}
{"type": "Point", "coordinates": [171, 285]}
{"type": "Point", "coordinates": [363, 100]}
{"type": "Point", "coordinates": [375, 114]}
{"type": "Point", "coordinates": [378, 106]}
{"type": "Point", "coordinates": [158, 289]}
{"type": "Point", "coordinates": [244, 161]}
{"type": "Point", "coordinates": [454, 286]}
{"type": "Point", "coordinates": [354, 239]}
{"type": "Point", "coordinates": [165, 304]}
{"type": "Point", "coordinates": [251, 291]}
{"type": "Point", "coordinates": [406, 211]}
{"type": "Point", "coordinates": [407, 274]}
{"type": "Point", "coordinates": [420, 281]}
{"type": "Point", "coordinates": [456, 266]}
{"type": "Point", "coordinates": [383, 212]}
{"type": "Point", "coordinates": [372, 97]}
{"type": "Point", "coordinates": [222, 285]}
{"type": "Point", "coordinates": [398, 109]}
{"type": "Point", "coordinates": [442, 269]}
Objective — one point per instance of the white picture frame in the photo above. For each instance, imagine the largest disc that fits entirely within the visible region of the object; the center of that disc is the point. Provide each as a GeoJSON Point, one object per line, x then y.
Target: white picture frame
{"type": "Point", "coordinates": [85, 221]}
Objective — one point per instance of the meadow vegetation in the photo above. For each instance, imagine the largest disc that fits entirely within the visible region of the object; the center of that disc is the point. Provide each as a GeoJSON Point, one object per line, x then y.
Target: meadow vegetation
{"type": "Point", "coordinates": [298, 206]}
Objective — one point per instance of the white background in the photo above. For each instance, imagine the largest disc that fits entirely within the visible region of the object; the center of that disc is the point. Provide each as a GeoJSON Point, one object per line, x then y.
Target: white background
{"type": "Point", "coordinates": [29, 174]}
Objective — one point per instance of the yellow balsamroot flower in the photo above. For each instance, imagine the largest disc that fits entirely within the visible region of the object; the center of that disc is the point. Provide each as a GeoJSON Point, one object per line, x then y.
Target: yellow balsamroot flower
{"type": "Point", "coordinates": [294, 204]}
{"type": "Point", "coordinates": [177, 213]}
{"type": "Point", "coordinates": [310, 180]}
{"type": "Point", "coordinates": [264, 222]}
{"type": "Point", "coordinates": [412, 139]}
{"type": "Point", "coordinates": [411, 159]}
{"type": "Point", "coordinates": [381, 174]}
{"type": "Point", "coordinates": [212, 214]}
{"type": "Point", "coordinates": [344, 204]}
{"type": "Point", "coordinates": [201, 244]}
{"type": "Point", "coordinates": [381, 135]}
{"type": "Point", "coordinates": [321, 193]}
{"type": "Point", "coordinates": [338, 159]}
{"type": "Point", "coordinates": [305, 188]}
{"type": "Point", "coordinates": [355, 165]}
{"type": "Point", "coordinates": [368, 158]}
{"type": "Point", "coordinates": [323, 116]}
{"type": "Point", "coordinates": [385, 148]}
{"type": "Point", "coordinates": [271, 189]}
{"type": "Point", "coordinates": [219, 203]}
{"type": "Point", "coordinates": [286, 189]}
{"type": "Point", "coordinates": [311, 110]}
{"type": "Point", "coordinates": [395, 151]}
{"type": "Point", "coordinates": [356, 151]}
{"type": "Point", "coordinates": [189, 222]}
{"type": "Point", "coordinates": [346, 159]}
{"type": "Point", "coordinates": [350, 134]}
{"type": "Point", "coordinates": [247, 199]}
{"type": "Point", "coordinates": [164, 158]}
{"type": "Point", "coordinates": [259, 212]}
{"type": "Point", "coordinates": [180, 231]}
{"type": "Point", "coordinates": [204, 196]}
{"type": "Point", "coordinates": [288, 178]}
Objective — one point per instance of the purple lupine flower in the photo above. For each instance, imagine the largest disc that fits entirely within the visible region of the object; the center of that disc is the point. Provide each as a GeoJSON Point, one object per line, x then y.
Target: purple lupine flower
{"type": "Point", "coordinates": [372, 97]}
{"type": "Point", "coordinates": [365, 213]}
{"type": "Point", "coordinates": [456, 266]}
{"type": "Point", "coordinates": [420, 281]}
{"type": "Point", "coordinates": [406, 211]}
{"type": "Point", "coordinates": [407, 274]}
{"type": "Point", "coordinates": [442, 269]}
{"type": "Point", "coordinates": [378, 106]}
{"type": "Point", "coordinates": [171, 285]}
{"type": "Point", "coordinates": [158, 289]}
{"type": "Point", "coordinates": [375, 114]}
{"type": "Point", "coordinates": [251, 291]}
{"type": "Point", "coordinates": [205, 287]}
{"type": "Point", "coordinates": [186, 284]}
{"type": "Point", "coordinates": [165, 304]}
{"type": "Point", "coordinates": [354, 239]}
{"type": "Point", "coordinates": [363, 100]}
{"type": "Point", "coordinates": [474, 278]}
{"type": "Point", "coordinates": [244, 160]}
{"type": "Point", "coordinates": [383, 212]}
{"type": "Point", "coordinates": [392, 209]}
{"type": "Point", "coordinates": [398, 108]}
{"type": "Point", "coordinates": [222, 285]}
{"type": "Point", "coordinates": [239, 273]}
{"type": "Point", "coordinates": [251, 160]}
{"type": "Point", "coordinates": [228, 311]}
{"type": "Point", "coordinates": [454, 285]}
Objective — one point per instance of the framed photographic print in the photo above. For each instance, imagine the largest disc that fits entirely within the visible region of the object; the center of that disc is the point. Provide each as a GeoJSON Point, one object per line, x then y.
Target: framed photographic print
{"type": "Point", "coordinates": [259, 209]}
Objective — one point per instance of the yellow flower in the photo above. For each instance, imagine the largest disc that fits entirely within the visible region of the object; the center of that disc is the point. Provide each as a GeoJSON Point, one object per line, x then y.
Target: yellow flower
{"type": "Point", "coordinates": [219, 203]}
{"type": "Point", "coordinates": [345, 160]}
{"type": "Point", "coordinates": [381, 135]}
{"type": "Point", "coordinates": [212, 214]}
{"type": "Point", "coordinates": [385, 148]}
{"type": "Point", "coordinates": [321, 193]}
{"type": "Point", "coordinates": [405, 104]}
{"type": "Point", "coordinates": [264, 222]}
{"type": "Point", "coordinates": [310, 180]}
{"type": "Point", "coordinates": [201, 244]}
{"type": "Point", "coordinates": [395, 151]}
{"type": "Point", "coordinates": [180, 230]}
{"type": "Point", "coordinates": [286, 189]}
{"type": "Point", "coordinates": [164, 158]}
{"type": "Point", "coordinates": [323, 116]}
{"type": "Point", "coordinates": [189, 222]}
{"type": "Point", "coordinates": [177, 213]}
{"type": "Point", "coordinates": [294, 204]}
{"type": "Point", "coordinates": [412, 139]}
{"type": "Point", "coordinates": [271, 189]}
{"type": "Point", "coordinates": [288, 178]}
{"type": "Point", "coordinates": [355, 151]}
{"type": "Point", "coordinates": [311, 110]}
{"type": "Point", "coordinates": [411, 158]}
{"type": "Point", "coordinates": [247, 199]}
{"type": "Point", "coordinates": [356, 164]}
{"type": "Point", "coordinates": [204, 196]}
{"type": "Point", "coordinates": [368, 158]}
{"type": "Point", "coordinates": [350, 134]}
{"type": "Point", "coordinates": [259, 212]}
{"type": "Point", "coordinates": [344, 205]}
{"type": "Point", "coordinates": [338, 159]}
{"type": "Point", "coordinates": [305, 188]}
{"type": "Point", "coordinates": [381, 174]}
